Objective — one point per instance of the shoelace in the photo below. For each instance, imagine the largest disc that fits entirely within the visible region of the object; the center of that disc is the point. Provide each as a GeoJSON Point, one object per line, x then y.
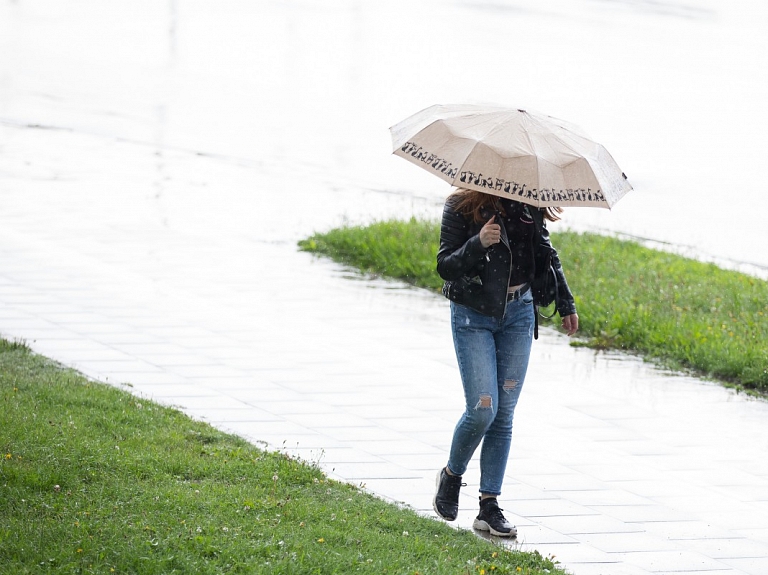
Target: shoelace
{"type": "Point", "coordinates": [454, 486]}
{"type": "Point", "coordinates": [495, 513]}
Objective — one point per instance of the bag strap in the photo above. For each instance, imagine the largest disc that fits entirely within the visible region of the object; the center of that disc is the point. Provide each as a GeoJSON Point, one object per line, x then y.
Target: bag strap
{"type": "Point", "coordinates": [538, 219]}
{"type": "Point", "coordinates": [557, 292]}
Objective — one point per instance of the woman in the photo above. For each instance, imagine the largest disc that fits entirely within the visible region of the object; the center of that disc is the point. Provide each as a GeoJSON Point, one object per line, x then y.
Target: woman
{"type": "Point", "coordinates": [486, 257]}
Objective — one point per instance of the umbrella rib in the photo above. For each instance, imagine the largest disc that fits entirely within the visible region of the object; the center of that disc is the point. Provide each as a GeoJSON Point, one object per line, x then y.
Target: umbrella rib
{"type": "Point", "coordinates": [562, 141]}
{"type": "Point", "coordinates": [494, 125]}
{"type": "Point", "coordinates": [569, 146]}
{"type": "Point", "coordinates": [565, 143]}
{"type": "Point", "coordinates": [464, 162]}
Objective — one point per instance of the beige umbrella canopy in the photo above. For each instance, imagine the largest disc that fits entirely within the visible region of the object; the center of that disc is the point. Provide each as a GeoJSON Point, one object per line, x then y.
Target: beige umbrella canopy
{"type": "Point", "coordinates": [517, 154]}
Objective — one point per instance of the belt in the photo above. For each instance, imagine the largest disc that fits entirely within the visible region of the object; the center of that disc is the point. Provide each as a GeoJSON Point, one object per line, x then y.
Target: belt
{"type": "Point", "coordinates": [518, 293]}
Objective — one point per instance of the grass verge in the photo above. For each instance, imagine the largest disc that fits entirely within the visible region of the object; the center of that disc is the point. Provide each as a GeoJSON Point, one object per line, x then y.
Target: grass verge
{"type": "Point", "coordinates": [681, 312]}
{"type": "Point", "coordinates": [95, 480]}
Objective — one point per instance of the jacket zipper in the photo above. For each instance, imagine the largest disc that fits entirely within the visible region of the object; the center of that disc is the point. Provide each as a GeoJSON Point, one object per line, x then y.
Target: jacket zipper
{"type": "Point", "coordinates": [509, 271]}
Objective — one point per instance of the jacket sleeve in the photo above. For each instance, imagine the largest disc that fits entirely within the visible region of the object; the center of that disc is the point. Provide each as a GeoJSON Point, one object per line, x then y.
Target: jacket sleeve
{"type": "Point", "coordinates": [459, 251]}
{"type": "Point", "coordinates": [565, 302]}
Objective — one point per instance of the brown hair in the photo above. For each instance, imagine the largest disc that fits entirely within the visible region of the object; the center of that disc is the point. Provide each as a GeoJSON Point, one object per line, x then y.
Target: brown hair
{"type": "Point", "coordinates": [471, 202]}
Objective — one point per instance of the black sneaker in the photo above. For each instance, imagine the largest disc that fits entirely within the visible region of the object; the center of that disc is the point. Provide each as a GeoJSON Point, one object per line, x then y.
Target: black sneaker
{"type": "Point", "coordinates": [446, 501]}
{"type": "Point", "coordinates": [492, 519]}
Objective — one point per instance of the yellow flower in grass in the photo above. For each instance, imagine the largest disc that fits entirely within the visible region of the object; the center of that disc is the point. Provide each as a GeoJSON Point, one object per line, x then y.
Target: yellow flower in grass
{"type": "Point", "coordinates": [8, 456]}
{"type": "Point", "coordinates": [321, 540]}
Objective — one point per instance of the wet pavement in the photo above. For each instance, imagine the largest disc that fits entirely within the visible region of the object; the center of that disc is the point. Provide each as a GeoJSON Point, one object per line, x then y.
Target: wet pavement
{"type": "Point", "coordinates": [151, 246]}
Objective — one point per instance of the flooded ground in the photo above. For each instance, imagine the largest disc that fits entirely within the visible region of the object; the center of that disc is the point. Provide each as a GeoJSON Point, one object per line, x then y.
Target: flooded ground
{"type": "Point", "coordinates": [674, 89]}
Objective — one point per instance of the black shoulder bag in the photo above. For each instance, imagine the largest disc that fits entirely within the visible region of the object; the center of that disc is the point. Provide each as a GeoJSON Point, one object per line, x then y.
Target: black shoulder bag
{"type": "Point", "coordinates": [544, 286]}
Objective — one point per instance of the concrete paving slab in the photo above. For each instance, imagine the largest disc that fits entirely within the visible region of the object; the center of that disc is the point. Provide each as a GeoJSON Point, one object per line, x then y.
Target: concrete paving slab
{"type": "Point", "coordinates": [618, 569]}
{"type": "Point", "coordinates": [671, 561]}
{"type": "Point", "coordinates": [627, 542]}
{"type": "Point", "coordinates": [751, 565]}
{"type": "Point", "coordinates": [726, 548]}
{"type": "Point", "coordinates": [575, 554]}
{"type": "Point", "coordinates": [688, 530]}
{"type": "Point", "coordinates": [217, 416]}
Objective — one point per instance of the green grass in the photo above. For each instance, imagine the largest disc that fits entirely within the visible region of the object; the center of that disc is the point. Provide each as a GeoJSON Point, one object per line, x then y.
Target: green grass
{"type": "Point", "coordinates": [95, 480]}
{"type": "Point", "coordinates": [398, 249]}
{"type": "Point", "coordinates": [682, 313]}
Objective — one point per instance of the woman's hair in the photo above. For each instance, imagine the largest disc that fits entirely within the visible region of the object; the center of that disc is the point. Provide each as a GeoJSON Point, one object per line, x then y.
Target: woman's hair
{"type": "Point", "coordinates": [471, 202]}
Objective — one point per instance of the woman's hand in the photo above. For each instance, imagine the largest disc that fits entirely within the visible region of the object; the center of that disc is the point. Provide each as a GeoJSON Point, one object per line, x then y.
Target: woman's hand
{"type": "Point", "coordinates": [571, 323]}
{"type": "Point", "coordinates": [490, 233]}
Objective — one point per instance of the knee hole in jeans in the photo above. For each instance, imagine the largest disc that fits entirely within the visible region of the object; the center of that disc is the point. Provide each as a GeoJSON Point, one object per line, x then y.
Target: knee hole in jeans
{"type": "Point", "coordinates": [509, 385]}
{"type": "Point", "coordinates": [485, 402]}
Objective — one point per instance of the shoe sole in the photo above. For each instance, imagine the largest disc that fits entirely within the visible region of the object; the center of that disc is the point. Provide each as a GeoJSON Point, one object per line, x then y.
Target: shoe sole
{"type": "Point", "coordinates": [434, 499]}
{"type": "Point", "coordinates": [481, 525]}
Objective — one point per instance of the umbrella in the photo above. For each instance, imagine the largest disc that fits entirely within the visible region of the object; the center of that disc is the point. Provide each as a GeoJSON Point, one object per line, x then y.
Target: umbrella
{"type": "Point", "coordinates": [517, 154]}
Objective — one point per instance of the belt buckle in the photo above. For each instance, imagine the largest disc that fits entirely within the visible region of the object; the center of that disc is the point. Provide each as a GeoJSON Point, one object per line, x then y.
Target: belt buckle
{"type": "Point", "coordinates": [518, 293]}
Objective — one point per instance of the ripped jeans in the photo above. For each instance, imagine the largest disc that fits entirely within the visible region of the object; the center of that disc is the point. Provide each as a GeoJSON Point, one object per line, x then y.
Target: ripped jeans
{"type": "Point", "coordinates": [493, 358]}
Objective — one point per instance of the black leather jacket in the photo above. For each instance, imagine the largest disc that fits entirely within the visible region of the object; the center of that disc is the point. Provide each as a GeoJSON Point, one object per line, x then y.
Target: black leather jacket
{"type": "Point", "coordinates": [478, 277]}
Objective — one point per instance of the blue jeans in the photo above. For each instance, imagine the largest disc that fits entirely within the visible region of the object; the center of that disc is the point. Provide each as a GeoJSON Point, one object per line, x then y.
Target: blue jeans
{"type": "Point", "coordinates": [493, 358]}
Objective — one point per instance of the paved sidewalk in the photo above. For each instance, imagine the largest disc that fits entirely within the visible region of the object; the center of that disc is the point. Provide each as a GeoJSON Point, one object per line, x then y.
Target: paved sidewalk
{"type": "Point", "coordinates": [616, 468]}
